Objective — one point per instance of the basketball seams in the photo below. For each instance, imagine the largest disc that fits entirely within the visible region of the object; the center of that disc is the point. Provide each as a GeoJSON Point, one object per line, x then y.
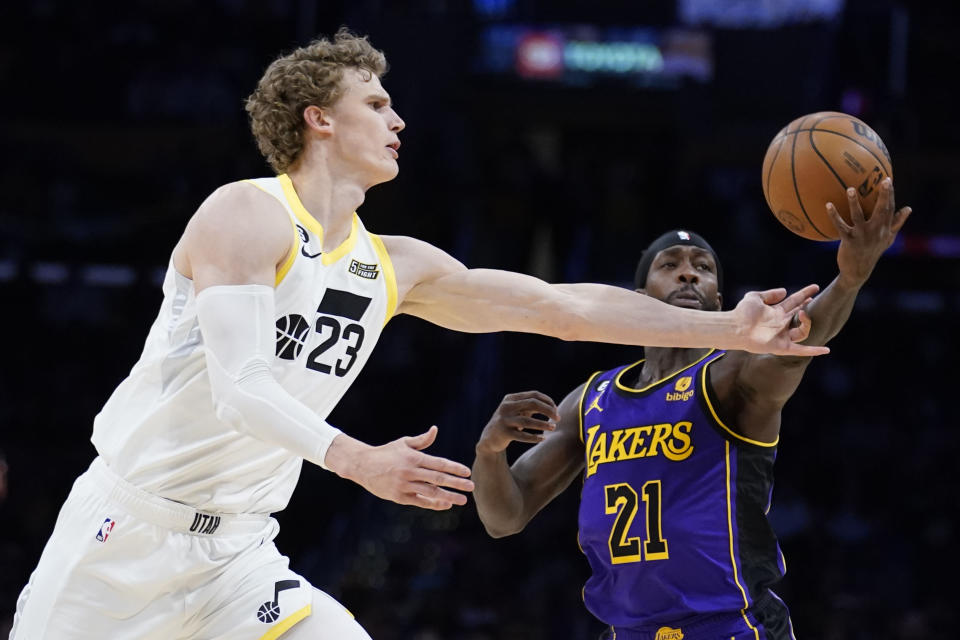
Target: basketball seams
{"type": "Point", "coordinates": [793, 173]}
{"type": "Point", "coordinates": [809, 180]}
{"type": "Point", "coordinates": [836, 175]}
{"type": "Point", "coordinates": [882, 162]}
{"type": "Point", "coordinates": [773, 163]}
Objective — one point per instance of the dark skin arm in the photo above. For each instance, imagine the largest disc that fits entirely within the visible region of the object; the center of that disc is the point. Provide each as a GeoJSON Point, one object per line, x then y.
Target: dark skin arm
{"type": "Point", "coordinates": [752, 389]}
{"type": "Point", "coordinates": [509, 496]}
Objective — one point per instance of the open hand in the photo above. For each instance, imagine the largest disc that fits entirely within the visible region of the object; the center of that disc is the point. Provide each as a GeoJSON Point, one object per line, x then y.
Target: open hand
{"type": "Point", "coordinates": [772, 322]}
{"type": "Point", "coordinates": [401, 472]}
{"type": "Point", "coordinates": [864, 241]}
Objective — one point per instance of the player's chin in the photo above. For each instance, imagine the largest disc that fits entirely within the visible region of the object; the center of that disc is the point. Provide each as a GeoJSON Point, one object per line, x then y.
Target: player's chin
{"type": "Point", "coordinates": [385, 172]}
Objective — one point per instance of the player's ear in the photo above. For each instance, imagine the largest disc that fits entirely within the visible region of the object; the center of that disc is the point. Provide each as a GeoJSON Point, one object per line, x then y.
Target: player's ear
{"type": "Point", "coordinates": [317, 120]}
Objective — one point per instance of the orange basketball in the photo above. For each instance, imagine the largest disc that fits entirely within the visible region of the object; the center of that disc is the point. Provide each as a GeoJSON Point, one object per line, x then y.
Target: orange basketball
{"type": "Point", "coordinates": [812, 161]}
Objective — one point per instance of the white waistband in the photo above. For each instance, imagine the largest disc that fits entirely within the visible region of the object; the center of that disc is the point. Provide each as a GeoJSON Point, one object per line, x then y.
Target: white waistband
{"type": "Point", "coordinates": [169, 514]}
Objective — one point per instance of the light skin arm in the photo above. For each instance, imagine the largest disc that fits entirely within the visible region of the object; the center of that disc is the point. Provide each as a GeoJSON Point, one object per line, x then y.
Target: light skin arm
{"type": "Point", "coordinates": [239, 236]}
{"type": "Point", "coordinates": [508, 497]}
{"type": "Point", "coordinates": [436, 287]}
{"type": "Point", "coordinates": [755, 387]}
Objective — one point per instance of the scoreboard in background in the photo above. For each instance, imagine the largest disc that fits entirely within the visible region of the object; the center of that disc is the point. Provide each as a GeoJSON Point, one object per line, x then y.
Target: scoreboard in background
{"type": "Point", "coordinates": [583, 55]}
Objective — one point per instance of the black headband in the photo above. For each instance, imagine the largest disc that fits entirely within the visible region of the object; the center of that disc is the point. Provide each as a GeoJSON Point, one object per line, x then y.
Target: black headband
{"type": "Point", "coordinates": [669, 239]}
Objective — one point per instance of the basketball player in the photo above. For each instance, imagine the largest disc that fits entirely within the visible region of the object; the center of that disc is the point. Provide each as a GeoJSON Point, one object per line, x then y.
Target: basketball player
{"type": "Point", "coordinates": [273, 300]}
{"type": "Point", "coordinates": [677, 455]}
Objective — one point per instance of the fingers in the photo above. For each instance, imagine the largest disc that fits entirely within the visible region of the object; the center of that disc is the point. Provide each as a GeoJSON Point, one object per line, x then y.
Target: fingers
{"type": "Point", "coordinates": [522, 422]}
{"type": "Point", "coordinates": [883, 209]}
{"type": "Point", "coordinates": [800, 326]}
{"type": "Point", "coordinates": [441, 464]}
{"type": "Point", "coordinates": [426, 503]}
{"type": "Point", "coordinates": [796, 301]}
{"type": "Point", "coordinates": [772, 296]}
{"type": "Point", "coordinates": [523, 436]}
{"type": "Point", "coordinates": [899, 218]}
{"type": "Point", "coordinates": [438, 479]}
{"type": "Point", "coordinates": [530, 402]}
{"type": "Point", "coordinates": [428, 497]}
{"type": "Point", "coordinates": [423, 440]}
{"type": "Point", "coordinates": [842, 227]}
{"type": "Point", "coordinates": [795, 349]}
{"type": "Point", "coordinates": [856, 211]}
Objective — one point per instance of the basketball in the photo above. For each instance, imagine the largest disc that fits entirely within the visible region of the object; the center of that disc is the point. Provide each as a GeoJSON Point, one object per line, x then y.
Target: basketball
{"type": "Point", "coordinates": [812, 161]}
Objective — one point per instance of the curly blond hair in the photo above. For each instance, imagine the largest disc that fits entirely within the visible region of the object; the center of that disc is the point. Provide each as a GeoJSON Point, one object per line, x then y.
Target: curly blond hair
{"type": "Point", "coordinates": [310, 75]}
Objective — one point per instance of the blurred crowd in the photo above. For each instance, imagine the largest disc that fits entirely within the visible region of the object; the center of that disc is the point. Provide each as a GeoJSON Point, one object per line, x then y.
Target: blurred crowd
{"type": "Point", "coordinates": [121, 127]}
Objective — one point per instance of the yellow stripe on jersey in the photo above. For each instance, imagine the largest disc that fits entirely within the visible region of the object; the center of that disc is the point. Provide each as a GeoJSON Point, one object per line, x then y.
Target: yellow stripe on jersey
{"type": "Point", "coordinates": [285, 267]}
{"type": "Point", "coordinates": [298, 209]}
{"type": "Point", "coordinates": [623, 387]}
{"type": "Point", "coordinates": [733, 560]}
{"type": "Point", "coordinates": [288, 263]}
{"type": "Point", "coordinates": [583, 394]}
{"type": "Point", "coordinates": [284, 625]}
{"type": "Point", "coordinates": [345, 247]}
{"type": "Point", "coordinates": [388, 273]}
{"type": "Point", "coordinates": [706, 396]}
{"type": "Point", "coordinates": [315, 227]}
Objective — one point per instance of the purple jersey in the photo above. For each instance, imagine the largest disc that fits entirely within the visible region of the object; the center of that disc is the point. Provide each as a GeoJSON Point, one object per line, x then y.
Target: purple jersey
{"type": "Point", "coordinates": [673, 509]}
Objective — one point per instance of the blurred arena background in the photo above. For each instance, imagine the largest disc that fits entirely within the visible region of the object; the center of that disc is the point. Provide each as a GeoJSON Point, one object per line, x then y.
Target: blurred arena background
{"type": "Point", "coordinates": [551, 137]}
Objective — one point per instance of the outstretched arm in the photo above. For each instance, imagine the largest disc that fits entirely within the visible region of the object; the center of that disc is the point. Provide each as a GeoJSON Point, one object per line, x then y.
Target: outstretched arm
{"type": "Point", "coordinates": [434, 286]}
{"type": "Point", "coordinates": [509, 496]}
{"type": "Point", "coordinates": [231, 250]}
{"type": "Point", "coordinates": [764, 383]}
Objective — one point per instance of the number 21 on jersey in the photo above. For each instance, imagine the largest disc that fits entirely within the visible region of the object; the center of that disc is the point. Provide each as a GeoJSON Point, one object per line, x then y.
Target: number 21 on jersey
{"type": "Point", "coordinates": [622, 500]}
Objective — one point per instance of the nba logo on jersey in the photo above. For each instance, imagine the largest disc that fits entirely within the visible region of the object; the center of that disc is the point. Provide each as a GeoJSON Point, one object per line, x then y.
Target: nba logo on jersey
{"type": "Point", "coordinates": [105, 529]}
{"type": "Point", "coordinates": [668, 633]}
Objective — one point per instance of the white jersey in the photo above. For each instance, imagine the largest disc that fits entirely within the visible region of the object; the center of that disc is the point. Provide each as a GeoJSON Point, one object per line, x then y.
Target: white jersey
{"type": "Point", "coordinates": [159, 431]}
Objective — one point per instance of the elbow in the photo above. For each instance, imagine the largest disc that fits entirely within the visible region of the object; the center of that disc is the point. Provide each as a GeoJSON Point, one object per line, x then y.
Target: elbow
{"type": "Point", "coordinates": [227, 412]}
{"type": "Point", "coordinates": [565, 316]}
{"type": "Point", "coordinates": [235, 398]}
{"type": "Point", "coordinates": [503, 524]}
{"type": "Point", "coordinates": [500, 531]}
{"type": "Point", "coordinates": [228, 407]}
{"type": "Point", "coordinates": [569, 331]}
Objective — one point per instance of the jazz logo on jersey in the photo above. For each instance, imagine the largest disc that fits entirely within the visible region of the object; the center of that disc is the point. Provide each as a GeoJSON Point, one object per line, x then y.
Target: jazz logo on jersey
{"type": "Point", "coordinates": [105, 529]}
{"type": "Point", "coordinates": [669, 633]}
{"type": "Point", "coordinates": [269, 612]}
{"type": "Point", "coordinates": [291, 336]}
{"type": "Point", "coordinates": [681, 391]}
{"type": "Point", "coordinates": [364, 270]}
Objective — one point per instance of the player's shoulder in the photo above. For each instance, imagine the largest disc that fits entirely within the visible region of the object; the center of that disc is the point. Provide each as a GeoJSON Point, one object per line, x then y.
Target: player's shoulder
{"type": "Point", "coordinates": [243, 205]}
{"type": "Point", "coordinates": [240, 193]}
{"type": "Point", "coordinates": [238, 214]}
{"type": "Point", "coordinates": [419, 259]}
{"type": "Point", "coordinates": [405, 245]}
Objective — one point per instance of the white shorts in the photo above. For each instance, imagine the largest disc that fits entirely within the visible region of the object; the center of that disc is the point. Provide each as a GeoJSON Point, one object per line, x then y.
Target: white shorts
{"type": "Point", "coordinates": [123, 563]}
